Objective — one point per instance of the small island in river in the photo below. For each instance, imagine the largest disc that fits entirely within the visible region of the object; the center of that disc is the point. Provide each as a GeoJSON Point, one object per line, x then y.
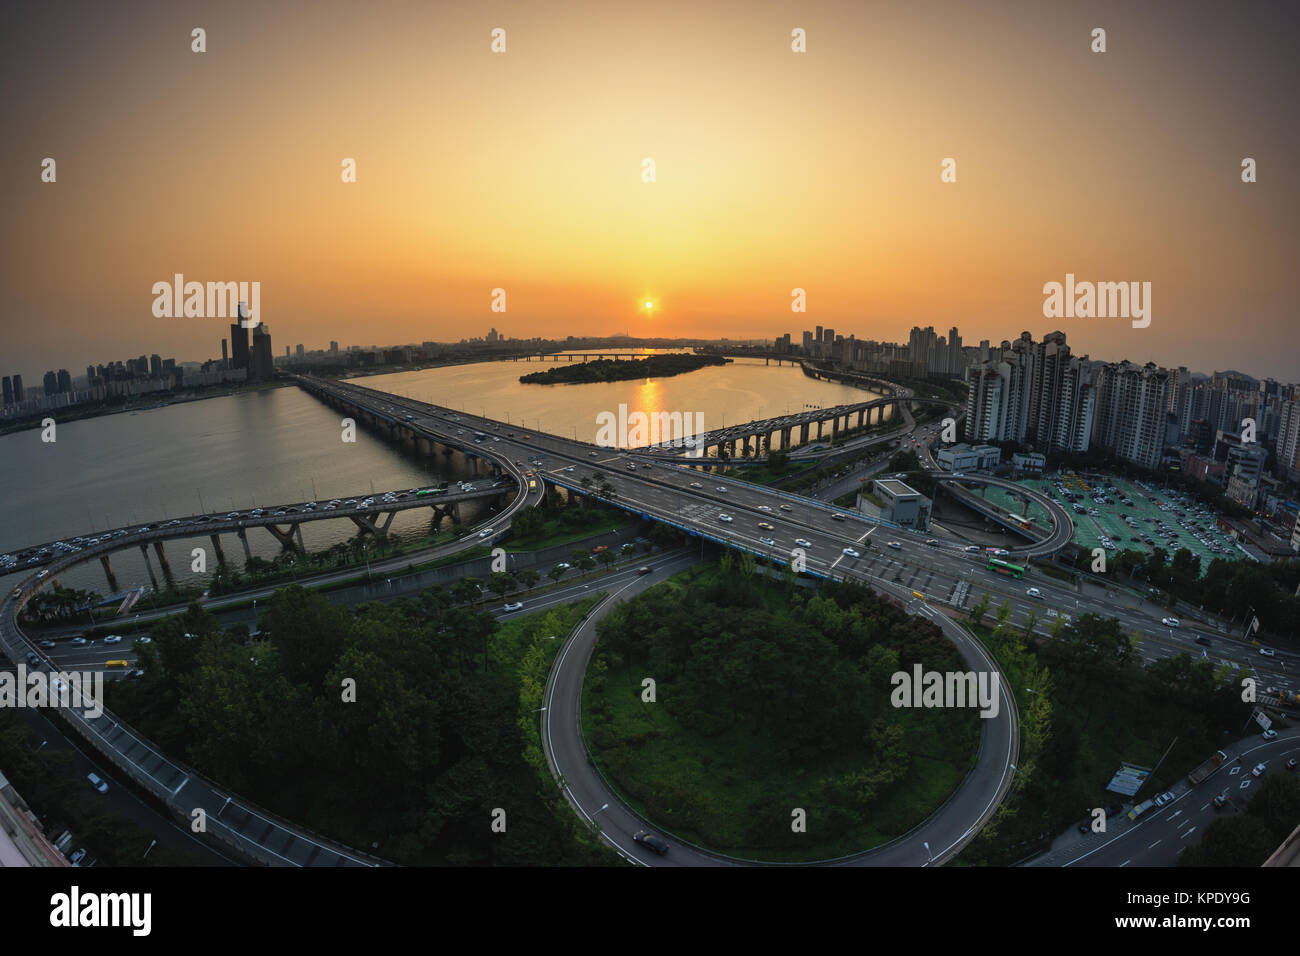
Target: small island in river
{"type": "Point", "coordinates": [618, 370]}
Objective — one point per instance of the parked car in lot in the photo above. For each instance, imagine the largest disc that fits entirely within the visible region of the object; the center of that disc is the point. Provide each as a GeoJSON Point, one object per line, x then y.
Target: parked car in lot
{"type": "Point", "coordinates": [1165, 798]}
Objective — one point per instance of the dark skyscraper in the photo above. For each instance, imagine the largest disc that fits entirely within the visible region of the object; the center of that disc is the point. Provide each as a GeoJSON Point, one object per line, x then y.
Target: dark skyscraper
{"type": "Point", "coordinates": [225, 355]}
{"type": "Point", "coordinates": [238, 346]}
{"type": "Point", "coordinates": [51, 383]}
{"type": "Point", "coordinates": [261, 367]}
{"type": "Point", "coordinates": [65, 380]}
{"type": "Point", "coordinates": [8, 391]}
{"type": "Point", "coordinates": [18, 388]}
{"type": "Point", "coordinates": [155, 365]}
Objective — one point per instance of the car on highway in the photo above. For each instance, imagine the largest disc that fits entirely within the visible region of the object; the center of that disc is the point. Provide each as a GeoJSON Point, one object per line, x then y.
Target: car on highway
{"type": "Point", "coordinates": [79, 641]}
{"type": "Point", "coordinates": [47, 644]}
{"type": "Point", "coordinates": [727, 519]}
{"type": "Point", "coordinates": [837, 517]}
{"type": "Point", "coordinates": [1033, 592]}
{"type": "Point", "coordinates": [803, 542]}
{"type": "Point", "coordinates": [1270, 734]}
{"type": "Point", "coordinates": [1221, 800]}
{"type": "Point", "coordinates": [113, 639]}
{"type": "Point", "coordinates": [721, 489]}
{"type": "Point", "coordinates": [1203, 641]}
{"type": "Point", "coordinates": [1267, 652]}
{"type": "Point", "coordinates": [1001, 552]}
{"type": "Point", "coordinates": [852, 553]}
{"type": "Point", "coordinates": [696, 484]}
{"type": "Point", "coordinates": [1165, 798]}
{"type": "Point", "coordinates": [932, 542]}
{"type": "Point", "coordinates": [895, 545]}
{"type": "Point", "coordinates": [767, 541]}
{"type": "Point", "coordinates": [486, 531]}
{"type": "Point", "coordinates": [785, 508]}
{"type": "Point", "coordinates": [514, 606]}
{"type": "Point", "coordinates": [650, 841]}
{"type": "Point", "coordinates": [643, 570]}
{"type": "Point", "coordinates": [972, 549]}
{"type": "Point", "coordinates": [97, 782]}
{"type": "Point", "coordinates": [1170, 621]}
{"type": "Point", "coordinates": [1291, 764]}
{"type": "Point", "coordinates": [599, 548]}
{"type": "Point", "coordinates": [1259, 770]}
{"type": "Point", "coordinates": [564, 565]}
{"type": "Point", "coordinates": [144, 640]}
{"type": "Point", "coordinates": [766, 526]}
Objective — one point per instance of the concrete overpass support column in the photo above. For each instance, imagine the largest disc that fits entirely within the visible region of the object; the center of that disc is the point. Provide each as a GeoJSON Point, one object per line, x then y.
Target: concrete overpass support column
{"type": "Point", "coordinates": [243, 537]}
{"type": "Point", "coordinates": [382, 529]}
{"type": "Point", "coordinates": [297, 535]}
{"type": "Point", "coordinates": [785, 438]}
{"type": "Point", "coordinates": [108, 572]}
{"type": "Point", "coordinates": [284, 537]}
{"type": "Point", "coordinates": [162, 561]}
{"type": "Point", "coordinates": [216, 547]}
{"type": "Point", "coordinates": [144, 550]}
{"type": "Point", "coordinates": [803, 434]}
{"type": "Point", "coordinates": [835, 428]}
{"type": "Point", "coordinates": [862, 414]}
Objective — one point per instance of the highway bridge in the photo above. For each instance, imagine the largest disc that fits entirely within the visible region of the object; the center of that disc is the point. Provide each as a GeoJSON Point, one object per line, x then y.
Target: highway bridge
{"type": "Point", "coordinates": [371, 514]}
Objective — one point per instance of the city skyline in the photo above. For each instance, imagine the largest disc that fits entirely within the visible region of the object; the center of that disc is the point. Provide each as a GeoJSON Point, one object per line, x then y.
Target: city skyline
{"type": "Point", "coordinates": [766, 180]}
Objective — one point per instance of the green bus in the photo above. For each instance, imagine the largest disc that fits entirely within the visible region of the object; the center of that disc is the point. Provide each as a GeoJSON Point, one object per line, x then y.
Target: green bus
{"type": "Point", "coordinates": [1006, 567]}
{"type": "Point", "coordinates": [429, 491]}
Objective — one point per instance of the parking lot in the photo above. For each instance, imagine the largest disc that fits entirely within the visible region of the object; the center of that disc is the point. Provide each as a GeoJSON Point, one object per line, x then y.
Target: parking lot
{"type": "Point", "coordinates": [1116, 514]}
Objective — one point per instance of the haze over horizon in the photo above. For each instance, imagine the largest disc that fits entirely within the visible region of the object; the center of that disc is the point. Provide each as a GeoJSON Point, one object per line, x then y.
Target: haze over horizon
{"type": "Point", "coordinates": [774, 171]}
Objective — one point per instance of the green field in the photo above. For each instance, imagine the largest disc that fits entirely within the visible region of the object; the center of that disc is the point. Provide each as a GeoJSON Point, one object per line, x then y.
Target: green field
{"type": "Point", "coordinates": [730, 783]}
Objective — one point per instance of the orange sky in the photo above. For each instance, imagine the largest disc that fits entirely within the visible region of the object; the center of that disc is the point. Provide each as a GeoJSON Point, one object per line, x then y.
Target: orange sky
{"type": "Point", "coordinates": [775, 170]}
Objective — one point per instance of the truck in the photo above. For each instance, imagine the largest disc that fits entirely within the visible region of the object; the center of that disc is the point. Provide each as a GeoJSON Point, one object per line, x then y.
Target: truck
{"type": "Point", "coordinates": [1207, 768]}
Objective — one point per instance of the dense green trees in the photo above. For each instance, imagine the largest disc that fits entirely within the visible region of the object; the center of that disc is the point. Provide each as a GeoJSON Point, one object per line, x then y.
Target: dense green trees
{"type": "Point", "coordinates": [392, 723]}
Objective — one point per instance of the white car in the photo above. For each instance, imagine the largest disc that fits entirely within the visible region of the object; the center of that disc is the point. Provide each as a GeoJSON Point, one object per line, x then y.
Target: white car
{"type": "Point", "coordinates": [513, 607]}
{"type": "Point", "coordinates": [721, 490]}
{"type": "Point", "coordinates": [487, 531]}
{"type": "Point", "coordinates": [767, 541]}
{"type": "Point", "coordinates": [850, 552]}
{"type": "Point", "coordinates": [1170, 621]}
{"type": "Point", "coordinates": [725, 518]}
{"type": "Point", "coordinates": [895, 545]}
{"type": "Point", "coordinates": [1268, 652]}
{"type": "Point", "coordinates": [1270, 735]}
{"type": "Point", "coordinates": [803, 542]}
{"type": "Point", "coordinates": [113, 639]}
{"type": "Point", "coordinates": [1034, 592]}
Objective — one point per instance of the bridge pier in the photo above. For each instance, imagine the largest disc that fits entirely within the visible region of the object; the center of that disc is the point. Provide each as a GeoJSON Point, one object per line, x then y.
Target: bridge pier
{"type": "Point", "coordinates": [243, 537]}
{"type": "Point", "coordinates": [286, 538]}
{"type": "Point", "coordinates": [862, 414]}
{"type": "Point", "coordinates": [162, 561]}
{"type": "Point", "coordinates": [835, 428]}
{"type": "Point", "coordinates": [108, 572]}
{"type": "Point", "coordinates": [144, 550]}
{"type": "Point", "coordinates": [785, 438]}
{"type": "Point", "coordinates": [803, 434]}
{"type": "Point", "coordinates": [365, 523]}
{"type": "Point", "coordinates": [216, 546]}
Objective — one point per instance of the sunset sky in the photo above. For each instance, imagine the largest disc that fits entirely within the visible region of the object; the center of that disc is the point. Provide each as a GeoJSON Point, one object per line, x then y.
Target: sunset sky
{"type": "Point", "coordinates": [775, 170]}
